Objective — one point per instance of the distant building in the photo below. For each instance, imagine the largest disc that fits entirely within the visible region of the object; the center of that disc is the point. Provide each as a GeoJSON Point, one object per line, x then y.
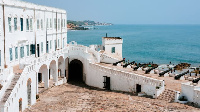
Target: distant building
{"type": "Point", "coordinates": [113, 46]}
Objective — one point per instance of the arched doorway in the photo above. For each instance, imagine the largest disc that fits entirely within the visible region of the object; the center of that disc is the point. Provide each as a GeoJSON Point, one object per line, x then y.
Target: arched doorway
{"type": "Point", "coordinates": [29, 91]}
{"type": "Point", "coordinates": [43, 77]}
{"type": "Point", "coordinates": [75, 71]}
{"type": "Point", "coordinates": [20, 105]}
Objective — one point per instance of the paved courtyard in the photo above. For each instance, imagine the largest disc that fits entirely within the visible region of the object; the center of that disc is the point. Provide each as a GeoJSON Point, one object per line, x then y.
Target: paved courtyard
{"type": "Point", "coordinates": [76, 97]}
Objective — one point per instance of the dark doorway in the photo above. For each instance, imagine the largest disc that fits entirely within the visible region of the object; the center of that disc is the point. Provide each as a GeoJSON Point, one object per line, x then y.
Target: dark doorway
{"type": "Point", "coordinates": [38, 50]}
{"type": "Point", "coordinates": [49, 73]}
{"type": "Point", "coordinates": [39, 77]}
{"type": "Point", "coordinates": [75, 71]}
{"type": "Point", "coordinates": [106, 82]}
{"type": "Point", "coordinates": [65, 73]}
{"type": "Point", "coordinates": [138, 88]}
{"type": "Point", "coordinates": [47, 47]}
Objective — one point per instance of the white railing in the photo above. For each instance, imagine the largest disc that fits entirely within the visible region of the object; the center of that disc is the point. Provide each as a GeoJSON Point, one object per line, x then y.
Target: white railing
{"type": "Point", "coordinates": [27, 70]}
{"type": "Point", "coordinates": [5, 79]}
{"type": "Point", "coordinates": [108, 59]}
{"type": "Point", "coordinates": [95, 53]}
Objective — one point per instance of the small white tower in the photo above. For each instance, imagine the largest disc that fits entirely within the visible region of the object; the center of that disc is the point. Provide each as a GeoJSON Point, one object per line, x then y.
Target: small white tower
{"type": "Point", "coordinates": [113, 46]}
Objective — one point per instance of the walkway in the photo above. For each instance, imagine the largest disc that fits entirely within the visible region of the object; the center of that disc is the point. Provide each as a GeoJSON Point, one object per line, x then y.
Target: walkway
{"type": "Point", "coordinates": [81, 98]}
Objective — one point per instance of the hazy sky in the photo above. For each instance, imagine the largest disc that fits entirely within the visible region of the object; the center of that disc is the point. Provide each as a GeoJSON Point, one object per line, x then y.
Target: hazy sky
{"type": "Point", "coordinates": [130, 11]}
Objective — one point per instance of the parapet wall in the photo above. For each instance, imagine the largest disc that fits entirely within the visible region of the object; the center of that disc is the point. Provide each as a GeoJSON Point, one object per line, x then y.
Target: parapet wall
{"type": "Point", "coordinates": [122, 81]}
{"type": "Point", "coordinates": [191, 92]}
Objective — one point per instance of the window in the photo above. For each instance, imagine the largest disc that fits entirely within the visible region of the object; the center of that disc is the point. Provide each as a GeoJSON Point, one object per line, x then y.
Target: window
{"type": "Point", "coordinates": [0, 57]}
{"type": "Point", "coordinates": [27, 24]}
{"type": "Point", "coordinates": [15, 24]}
{"type": "Point", "coordinates": [21, 22]}
{"type": "Point", "coordinates": [9, 24]}
{"type": "Point", "coordinates": [21, 52]}
{"type": "Point", "coordinates": [58, 43]}
{"type": "Point", "coordinates": [63, 42]}
{"type": "Point", "coordinates": [55, 23]}
{"type": "Point", "coordinates": [32, 49]}
{"type": "Point", "coordinates": [16, 52]}
{"type": "Point", "coordinates": [42, 47]}
{"type": "Point", "coordinates": [38, 24]}
{"type": "Point", "coordinates": [50, 44]}
{"type": "Point", "coordinates": [55, 44]}
{"type": "Point", "coordinates": [50, 23]}
{"type": "Point", "coordinates": [58, 24]}
{"type": "Point", "coordinates": [41, 24]}
{"type": "Point", "coordinates": [11, 57]}
{"type": "Point", "coordinates": [31, 24]}
{"type": "Point", "coordinates": [47, 47]}
{"type": "Point", "coordinates": [47, 24]}
{"type": "Point", "coordinates": [27, 48]}
{"type": "Point", "coordinates": [62, 23]}
{"type": "Point", "coordinates": [113, 50]}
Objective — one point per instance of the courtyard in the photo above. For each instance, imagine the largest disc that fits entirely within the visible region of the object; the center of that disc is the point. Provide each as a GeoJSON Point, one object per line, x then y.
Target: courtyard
{"type": "Point", "coordinates": [78, 97]}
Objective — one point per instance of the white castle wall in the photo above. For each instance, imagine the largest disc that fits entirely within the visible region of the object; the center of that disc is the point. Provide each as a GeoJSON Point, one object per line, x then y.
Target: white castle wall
{"type": "Point", "coordinates": [120, 80]}
{"type": "Point", "coordinates": [191, 92]}
{"type": "Point", "coordinates": [18, 38]}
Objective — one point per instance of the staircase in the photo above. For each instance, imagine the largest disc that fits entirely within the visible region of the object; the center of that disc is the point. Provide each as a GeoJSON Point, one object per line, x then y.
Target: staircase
{"type": "Point", "coordinates": [9, 89]}
{"type": "Point", "coordinates": [167, 95]}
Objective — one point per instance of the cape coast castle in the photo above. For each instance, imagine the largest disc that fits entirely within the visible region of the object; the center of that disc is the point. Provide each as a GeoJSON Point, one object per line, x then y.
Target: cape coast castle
{"type": "Point", "coordinates": [34, 55]}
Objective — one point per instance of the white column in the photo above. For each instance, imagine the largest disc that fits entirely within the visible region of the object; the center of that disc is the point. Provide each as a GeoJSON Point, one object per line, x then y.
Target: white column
{"type": "Point", "coordinates": [36, 82]}
{"type": "Point", "coordinates": [56, 72]}
{"type": "Point", "coordinates": [46, 78]}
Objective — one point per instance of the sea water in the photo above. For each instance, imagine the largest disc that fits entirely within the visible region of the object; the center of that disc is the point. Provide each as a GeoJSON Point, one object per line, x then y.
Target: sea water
{"type": "Point", "coordinates": [159, 44]}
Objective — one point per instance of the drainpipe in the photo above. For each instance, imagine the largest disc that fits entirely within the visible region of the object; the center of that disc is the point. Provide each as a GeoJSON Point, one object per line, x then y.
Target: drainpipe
{"type": "Point", "coordinates": [35, 33]}
{"type": "Point", "coordinates": [61, 32]}
{"type": "Point", "coordinates": [4, 35]}
{"type": "Point", "coordinates": [56, 28]}
{"type": "Point", "coordinates": [46, 29]}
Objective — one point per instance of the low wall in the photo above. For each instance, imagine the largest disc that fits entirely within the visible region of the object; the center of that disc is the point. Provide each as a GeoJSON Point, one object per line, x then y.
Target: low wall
{"type": "Point", "coordinates": [191, 92]}
{"type": "Point", "coordinates": [121, 81]}
{"type": "Point", "coordinates": [20, 91]}
{"type": "Point", "coordinates": [107, 59]}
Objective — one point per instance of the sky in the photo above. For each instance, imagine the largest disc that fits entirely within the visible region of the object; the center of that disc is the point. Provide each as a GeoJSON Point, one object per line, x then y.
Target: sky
{"type": "Point", "coordinates": [129, 11]}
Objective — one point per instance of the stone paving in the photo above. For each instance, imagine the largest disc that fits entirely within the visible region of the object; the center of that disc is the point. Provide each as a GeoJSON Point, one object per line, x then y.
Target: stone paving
{"type": "Point", "coordinates": [76, 97]}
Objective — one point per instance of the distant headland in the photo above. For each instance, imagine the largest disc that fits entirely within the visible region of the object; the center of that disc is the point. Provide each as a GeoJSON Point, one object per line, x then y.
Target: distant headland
{"type": "Point", "coordinates": [84, 25]}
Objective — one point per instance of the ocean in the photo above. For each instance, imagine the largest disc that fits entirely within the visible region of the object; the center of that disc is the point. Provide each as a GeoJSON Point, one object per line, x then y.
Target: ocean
{"type": "Point", "coordinates": [159, 44]}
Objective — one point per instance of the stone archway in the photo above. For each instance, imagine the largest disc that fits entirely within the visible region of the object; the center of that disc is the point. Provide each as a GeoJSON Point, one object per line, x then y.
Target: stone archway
{"type": "Point", "coordinates": [53, 71]}
{"type": "Point", "coordinates": [75, 71]}
{"type": "Point", "coordinates": [29, 91]}
{"type": "Point", "coordinates": [43, 76]}
{"type": "Point", "coordinates": [61, 67]}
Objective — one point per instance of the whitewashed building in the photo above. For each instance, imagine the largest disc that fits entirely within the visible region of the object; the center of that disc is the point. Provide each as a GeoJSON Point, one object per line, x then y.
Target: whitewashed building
{"type": "Point", "coordinates": [34, 54]}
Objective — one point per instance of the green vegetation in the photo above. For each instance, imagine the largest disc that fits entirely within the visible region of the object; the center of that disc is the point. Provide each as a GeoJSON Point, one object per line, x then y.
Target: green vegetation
{"type": "Point", "coordinates": [86, 23]}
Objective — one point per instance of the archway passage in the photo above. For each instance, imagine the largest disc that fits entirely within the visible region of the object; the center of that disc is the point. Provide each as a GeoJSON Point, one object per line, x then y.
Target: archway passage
{"type": "Point", "coordinates": [75, 71]}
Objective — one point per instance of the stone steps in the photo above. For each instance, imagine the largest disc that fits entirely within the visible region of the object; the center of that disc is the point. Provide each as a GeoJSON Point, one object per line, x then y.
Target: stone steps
{"type": "Point", "coordinates": [9, 89]}
{"type": "Point", "coordinates": [167, 95]}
